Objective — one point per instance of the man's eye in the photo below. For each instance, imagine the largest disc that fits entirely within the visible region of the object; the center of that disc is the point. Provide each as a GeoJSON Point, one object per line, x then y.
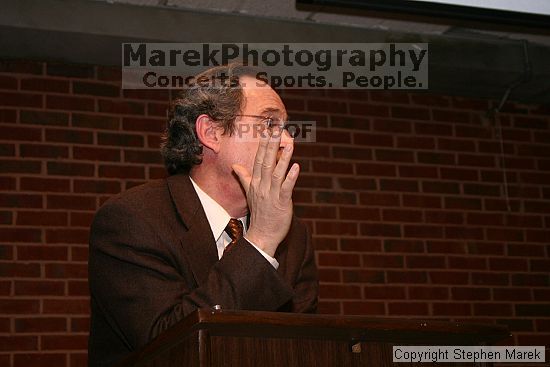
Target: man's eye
{"type": "Point", "coordinates": [269, 122]}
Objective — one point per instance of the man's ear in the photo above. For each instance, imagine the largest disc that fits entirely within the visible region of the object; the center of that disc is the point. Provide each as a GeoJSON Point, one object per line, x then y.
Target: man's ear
{"type": "Point", "coordinates": [208, 132]}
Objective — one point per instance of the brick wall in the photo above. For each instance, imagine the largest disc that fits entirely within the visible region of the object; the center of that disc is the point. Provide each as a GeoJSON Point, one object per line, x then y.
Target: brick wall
{"type": "Point", "coordinates": [418, 208]}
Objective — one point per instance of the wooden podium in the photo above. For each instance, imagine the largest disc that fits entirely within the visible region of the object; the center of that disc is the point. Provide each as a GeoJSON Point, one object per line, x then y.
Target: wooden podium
{"type": "Point", "coordinates": [221, 338]}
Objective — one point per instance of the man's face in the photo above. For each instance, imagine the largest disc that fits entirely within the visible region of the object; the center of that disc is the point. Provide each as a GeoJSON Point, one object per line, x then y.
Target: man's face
{"type": "Point", "coordinates": [259, 100]}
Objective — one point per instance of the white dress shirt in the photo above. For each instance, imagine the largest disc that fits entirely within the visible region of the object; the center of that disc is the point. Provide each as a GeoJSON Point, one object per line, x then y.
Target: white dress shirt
{"type": "Point", "coordinates": [218, 218]}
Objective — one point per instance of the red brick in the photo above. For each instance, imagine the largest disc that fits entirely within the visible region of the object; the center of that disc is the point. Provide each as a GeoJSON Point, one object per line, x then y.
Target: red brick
{"type": "Point", "coordinates": [451, 116]}
{"type": "Point", "coordinates": [473, 132]}
{"type": "Point", "coordinates": [43, 151]}
{"type": "Point", "coordinates": [436, 129]}
{"type": "Point", "coordinates": [21, 234]}
{"type": "Point", "coordinates": [418, 171]}
{"type": "Point", "coordinates": [384, 292]}
{"type": "Point", "coordinates": [315, 211]}
{"type": "Point", "coordinates": [347, 122]}
{"type": "Point", "coordinates": [399, 185]}
{"type": "Point", "coordinates": [422, 231]}
{"type": "Point", "coordinates": [95, 121]}
{"type": "Point", "coordinates": [492, 309]}
{"type": "Point", "coordinates": [39, 360]}
{"type": "Point", "coordinates": [407, 308]}
{"type": "Point", "coordinates": [96, 186]}
{"type": "Point", "coordinates": [409, 276]}
{"type": "Point", "coordinates": [155, 94]}
{"type": "Point", "coordinates": [329, 197]}
{"type": "Point", "coordinates": [471, 104]}
{"type": "Point", "coordinates": [338, 259]}
{"type": "Point", "coordinates": [415, 142]}
{"type": "Point", "coordinates": [7, 150]}
{"type": "Point", "coordinates": [20, 201]}
{"type": "Point", "coordinates": [66, 306]}
{"type": "Point", "coordinates": [359, 184]}
{"type": "Point", "coordinates": [363, 276]}
{"type": "Point", "coordinates": [470, 294]}
{"type": "Point", "coordinates": [42, 252]}
{"type": "Point", "coordinates": [443, 217]}
{"type": "Point", "coordinates": [6, 252]}
{"type": "Point", "coordinates": [39, 288]}
{"type": "Point", "coordinates": [370, 139]}
{"type": "Point", "coordinates": [70, 169]}
{"type": "Point", "coordinates": [379, 199]}
{"type": "Point", "coordinates": [143, 124]}
{"type": "Point", "coordinates": [96, 89]}
{"type": "Point", "coordinates": [161, 109]}
{"type": "Point", "coordinates": [325, 244]}
{"type": "Point", "coordinates": [360, 245]}
{"type": "Point", "coordinates": [331, 136]}
{"type": "Point", "coordinates": [78, 288]}
{"type": "Point", "coordinates": [512, 294]}
{"type": "Point", "coordinates": [115, 171]}
{"type": "Point", "coordinates": [15, 133]}
{"type": "Point", "coordinates": [417, 293]}
{"type": "Point", "coordinates": [120, 139]}
{"type": "Point", "coordinates": [44, 118]}
{"type": "Point", "coordinates": [394, 155]}
{"type": "Point", "coordinates": [80, 324]}
{"type": "Point", "coordinates": [8, 115]}
{"type": "Point", "coordinates": [403, 246]}
{"type": "Point", "coordinates": [79, 253]}
{"type": "Point", "coordinates": [376, 169]}
{"type": "Point", "coordinates": [358, 213]}
{"type": "Point", "coordinates": [69, 103]}
{"type": "Point", "coordinates": [382, 261]}
{"type": "Point", "coordinates": [19, 306]}
{"type": "Point", "coordinates": [448, 277]}
{"type": "Point", "coordinates": [41, 218]}
{"type": "Point", "coordinates": [462, 203]}
{"type": "Point", "coordinates": [69, 136]}
{"type": "Point", "coordinates": [44, 184]}
{"type": "Point", "coordinates": [436, 158]}
{"type": "Point", "coordinates": [67, 236]}
{"type": "Point", "coordinates": [369, 110]}
{"type": "Point", "coordinates": [300, 150]}
{"type": "Point", "coordinates": [415, 113]}
{"type": "Point", "coordinates": [11, 166]}
{"type": "Point", "coordinates": [531, 280]}
{"type": "Point", "coordinates": [45, 85]}
{"type": "Point", "coordinates": [20, 270]}
{"type": "Point", "coordinates": [318, 166]}
{"type": "Point", "coordinates": [96, 154]}
{"type": "Point", "coordinates": [327, 106]}
{"type": "Point", "coordinates": [121, 107]}
{"type": "Point", "coordinates": [467, 262]}
{"type": "Point", "coordinates": [392, 126]}
{"type": "Point", "coordinates": [18, 343]}
{"type": "Point", "coordinates": [400, 215]}
{"type": "Point", "coordinates": [74, 202]}
{"type": "Point", "coordinates": [339, 291]}
{"type": "Point", "coordinates": [309, 181]}
{"type": "Point", "coordinates": [64, 342]}
{"type": "Point", "coordinates": [109, 73]}
{"type": "Point", "coordinates": [8, 82]}
{"type": "Point", "coordinates": [21, 99]}
{"type": "Point", "coordinates": [421, 201]}
{"type": "Point", "coordinates": [380, 230]}
{"type": "Point", "coordinates": [425, 262]}
{"type": "Point", "coordinates": [490, 279]}
{"type": "Point", "coordinates": [336, 228]}
{"type": "Point", "coordinates": [363, 308]}
{"type": "Point", "coordinates": [430, 100]}
{"type": "Point", "coordinates": [452, 309]}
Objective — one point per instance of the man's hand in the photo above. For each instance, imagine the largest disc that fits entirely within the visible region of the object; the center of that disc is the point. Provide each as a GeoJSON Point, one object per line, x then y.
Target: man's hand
{"type": "Point", "coordinates": [269, 192]}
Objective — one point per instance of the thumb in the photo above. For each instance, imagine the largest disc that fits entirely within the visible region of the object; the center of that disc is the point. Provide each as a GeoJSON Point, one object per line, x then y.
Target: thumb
{"type": "Point", "coordinates": [243, 175]}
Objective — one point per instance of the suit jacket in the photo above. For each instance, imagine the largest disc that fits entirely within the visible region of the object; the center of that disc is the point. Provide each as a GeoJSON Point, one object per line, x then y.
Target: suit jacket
{"type": "Point", "coordinates": [153, 260]}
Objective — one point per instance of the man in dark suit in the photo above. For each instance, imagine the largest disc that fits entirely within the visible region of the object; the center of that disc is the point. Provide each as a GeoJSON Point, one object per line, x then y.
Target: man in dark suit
{"type": "Point", "coordinates": [218, 231]}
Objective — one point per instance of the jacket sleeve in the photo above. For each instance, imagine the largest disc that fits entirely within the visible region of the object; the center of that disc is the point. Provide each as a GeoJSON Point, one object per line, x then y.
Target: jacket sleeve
{"type": "Point", "coordinates": [306, 288]}
{"type": "Point", "coordinates": [139, 287]}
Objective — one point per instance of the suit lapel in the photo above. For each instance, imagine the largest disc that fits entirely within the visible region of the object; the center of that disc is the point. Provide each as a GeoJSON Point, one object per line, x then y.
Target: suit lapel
{"type": "Point", "coordinates": [198, 243]}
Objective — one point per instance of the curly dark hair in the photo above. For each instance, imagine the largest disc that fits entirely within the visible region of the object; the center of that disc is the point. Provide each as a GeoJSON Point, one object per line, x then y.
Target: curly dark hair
{"type": "Point", "coordinates": [217, 93]}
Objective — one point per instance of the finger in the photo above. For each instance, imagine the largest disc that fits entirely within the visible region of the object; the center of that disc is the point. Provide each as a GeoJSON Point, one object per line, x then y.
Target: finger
{"type": "Point", "coordinates": [288, 184]}
{"type": "Point", "coordinates": [270, 158]}
{"type": "Point", "coordinates": [243, 175]}
{"type": "Point", "coordinates": [260, 154]}
{"type": "Point", "coordinates": [280, 170]}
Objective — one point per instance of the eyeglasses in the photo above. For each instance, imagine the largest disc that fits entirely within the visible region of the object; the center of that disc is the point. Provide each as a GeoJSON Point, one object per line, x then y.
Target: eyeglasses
{"type": "Point", "coordinates": [268, 122]}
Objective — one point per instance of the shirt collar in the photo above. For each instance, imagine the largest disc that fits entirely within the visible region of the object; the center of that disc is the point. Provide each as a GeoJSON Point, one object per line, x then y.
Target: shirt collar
{"type": "Point", "coordinates": [217, 216]}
